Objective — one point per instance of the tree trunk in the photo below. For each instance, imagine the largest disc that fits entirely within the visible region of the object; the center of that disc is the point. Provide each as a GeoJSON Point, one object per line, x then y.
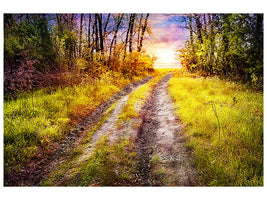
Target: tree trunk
{"type": "Point", "coordinates": [96, 34]}
{"type": "Point", "coordinates": [191, 30]}
{"type": "Point", "coordinates": [100, 34]}
{"type": "Point", "coordinates": [139, 31]}
{"type": "Point", "coordinates": [81, 32]}
{"type": "Point", "coordinates": [131, 32]}
{"type": "Point", "coordinates": [142, 34]}
{"type": "Point", "coordinates": [114, 39]}
{"type": "Point", "coordinates": [199, 27]}
{"type": "Point", "coordinates": [126, 38]}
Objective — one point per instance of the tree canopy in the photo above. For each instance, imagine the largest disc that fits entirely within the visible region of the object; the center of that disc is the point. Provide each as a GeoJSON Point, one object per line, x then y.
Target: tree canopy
{"type": "Point", "coordinates": [230, 45]}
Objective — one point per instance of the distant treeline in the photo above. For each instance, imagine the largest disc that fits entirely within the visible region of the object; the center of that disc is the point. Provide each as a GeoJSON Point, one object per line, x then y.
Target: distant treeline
{"type": "Point", "coordinates": [38, 44]}
{"type": "Point", "coordinates": [230, 45]}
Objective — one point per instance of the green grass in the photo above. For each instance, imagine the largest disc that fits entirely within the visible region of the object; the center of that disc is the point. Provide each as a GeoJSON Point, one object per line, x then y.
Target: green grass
{"type": "Point", "coordinates": [110, 164]}
{"type": "Point", "coordinates": [41, 118]}
{"type": "Point", "coordinates": [224, 126]}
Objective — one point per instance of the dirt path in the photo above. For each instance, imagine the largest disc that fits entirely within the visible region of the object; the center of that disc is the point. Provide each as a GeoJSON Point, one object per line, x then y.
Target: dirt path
{"type": "Point", "coordinates": [109, 126]}
{"type": "Point", "coordinates": [162, 158]}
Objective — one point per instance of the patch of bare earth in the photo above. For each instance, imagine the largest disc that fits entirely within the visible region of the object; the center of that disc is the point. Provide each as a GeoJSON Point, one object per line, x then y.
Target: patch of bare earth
{"type": "Point", "coordinates": [162, 158]}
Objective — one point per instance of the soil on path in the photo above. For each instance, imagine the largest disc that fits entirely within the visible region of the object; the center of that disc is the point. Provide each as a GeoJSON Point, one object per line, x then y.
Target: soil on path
{"type": "Point", "coordinates": [162, 158]}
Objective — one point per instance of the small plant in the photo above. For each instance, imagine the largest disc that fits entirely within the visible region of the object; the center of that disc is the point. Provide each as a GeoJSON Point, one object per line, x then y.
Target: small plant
{"type": "Point", "coordinates": [216, 115]}
{"type": "Point", "coordinates": [155, 160]}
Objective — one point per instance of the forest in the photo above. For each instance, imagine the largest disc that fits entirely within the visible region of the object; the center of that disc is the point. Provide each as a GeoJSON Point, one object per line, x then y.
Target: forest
{"type": "Point", "coordinates": [40, 49]}
{"type": "Point", "coordinates": [85, 104]}
{"type": "Point", "coordinates": [229, 45]}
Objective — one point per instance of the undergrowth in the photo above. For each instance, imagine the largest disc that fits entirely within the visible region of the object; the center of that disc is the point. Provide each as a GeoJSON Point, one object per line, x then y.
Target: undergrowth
{"type": "Point", "coordinates": [224, 126]}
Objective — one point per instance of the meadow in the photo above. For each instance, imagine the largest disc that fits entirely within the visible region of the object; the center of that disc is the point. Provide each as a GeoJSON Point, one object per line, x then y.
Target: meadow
{"type": "Point", "coordinates": [224, 127]}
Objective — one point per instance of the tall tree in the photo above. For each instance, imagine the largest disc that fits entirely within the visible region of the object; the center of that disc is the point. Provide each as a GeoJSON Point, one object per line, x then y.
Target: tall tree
{"type": "Point", "coordinates": [100, 28]}
{"type": "Point", "coordinates": [118, 21]}
{"type": "Point", "coordinates": [81, 32]}
{"type": "Point", "coordinates": [199, 27]}
{"type": "Point", "coordinates": [142, 34]}
{"type": "Point", "coordinates": [131, 26]}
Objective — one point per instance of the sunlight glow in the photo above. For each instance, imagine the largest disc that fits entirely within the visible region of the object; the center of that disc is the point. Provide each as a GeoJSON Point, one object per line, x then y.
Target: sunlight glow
{"type": "Point", "coordinates": [165, 55]}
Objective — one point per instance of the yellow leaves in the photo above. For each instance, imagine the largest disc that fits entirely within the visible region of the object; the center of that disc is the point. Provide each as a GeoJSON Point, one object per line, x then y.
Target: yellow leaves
{"type": "Point", "coordinates": [82, 63]}
{"type": "Point", "coordinates": [136, 63]}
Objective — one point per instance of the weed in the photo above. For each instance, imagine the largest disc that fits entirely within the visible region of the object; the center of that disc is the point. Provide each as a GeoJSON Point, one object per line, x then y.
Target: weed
{"type": "Point", "coordinates": [155, 160]}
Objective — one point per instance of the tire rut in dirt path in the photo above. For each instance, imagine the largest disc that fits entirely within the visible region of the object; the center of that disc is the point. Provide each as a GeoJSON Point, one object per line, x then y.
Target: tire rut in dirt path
{"type": "Point", "coordinates": [162, 158]}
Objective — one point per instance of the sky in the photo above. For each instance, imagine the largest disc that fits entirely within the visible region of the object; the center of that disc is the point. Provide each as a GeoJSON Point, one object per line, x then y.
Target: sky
{"type": "Point", "coordinates": [168, 36]}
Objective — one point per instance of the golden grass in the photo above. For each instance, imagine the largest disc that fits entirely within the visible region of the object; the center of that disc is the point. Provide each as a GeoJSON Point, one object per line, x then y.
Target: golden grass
{"type": "Point", "coordinates": [224, 126]}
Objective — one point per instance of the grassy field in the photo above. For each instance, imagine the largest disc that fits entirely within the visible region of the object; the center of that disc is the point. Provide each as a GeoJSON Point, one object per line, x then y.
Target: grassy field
{"type": "Point", "coordinates": [38, 119]}
{"type": "Point", "coordinates": [224, 126]}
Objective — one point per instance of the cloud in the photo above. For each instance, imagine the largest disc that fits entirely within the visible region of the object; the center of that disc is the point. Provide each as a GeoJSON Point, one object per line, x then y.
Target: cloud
{"type": "Point", "coordinates": [167, 31]}
{"type": "Point", "coordinates": [168, 36]}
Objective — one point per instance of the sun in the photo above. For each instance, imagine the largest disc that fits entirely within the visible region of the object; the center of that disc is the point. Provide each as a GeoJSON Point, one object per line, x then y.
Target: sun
{"type": "Point", "coordinates": [165, 55]}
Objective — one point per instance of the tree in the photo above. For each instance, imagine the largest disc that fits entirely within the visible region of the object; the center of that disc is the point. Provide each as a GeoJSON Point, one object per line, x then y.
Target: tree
{"type": "Point", "coordinates": [228, 44]}
{"type": "Point", "coordinates": [143, 33]}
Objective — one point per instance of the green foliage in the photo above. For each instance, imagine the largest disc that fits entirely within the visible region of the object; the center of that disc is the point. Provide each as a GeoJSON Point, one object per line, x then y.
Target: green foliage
{"type": "Point", "coordinates": [28, 33]}
{"type": "Point", "coordinates": [231, 46]}
{"type": "Point", "coordinates": [224, 126]}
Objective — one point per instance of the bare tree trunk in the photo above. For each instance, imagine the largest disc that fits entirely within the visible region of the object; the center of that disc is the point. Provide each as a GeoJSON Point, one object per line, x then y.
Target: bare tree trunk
{"type": "Point", "coordinates": [81, 32]}
{"type": "Point", "coordinates": [131, 32]}
{"type": "Point", "coordinates": [89, 37]}
{"type": "Point", "coordinates": [205, 24]}
{"type": "Point", "coordinates": [126, 39]}
{"type": "Point", "coordinates": [114, 39]}
{"type": "Point", "coordinates": [100, 34]}
{"type": "Point", "coordinates": [199, 27]}
{"type": "Point", "coordinates": [190, 30]}
{"type": "Point", "coordinates": [139, 30]}
{"type": "Point", "coordinates": [96, 34]}
{"type": "Point", "coordinates": [105, 27]}
{"type": "Point", "coordinates": [142, 34]}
